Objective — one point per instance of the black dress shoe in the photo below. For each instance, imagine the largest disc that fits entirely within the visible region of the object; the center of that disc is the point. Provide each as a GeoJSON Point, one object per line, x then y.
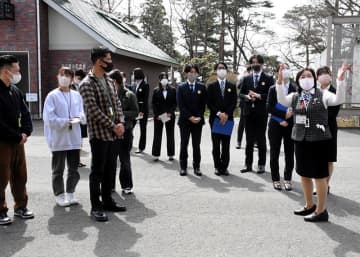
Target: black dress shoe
{"type": "Point", "coordinates": [246, 169]}
{"type": "Point", "coordinates": [314, 217]}
{"type": "Point", "coordinates": [183, 172]}
{"type": "Point", "coordinates": [197, 172]}
{"type": "Point", "coordinates": [225, 173]}
{"type": "Point", "coordinates": [139, 151]}
{"type": "Point", "coordinates": [261, 169]}
{"type": "Point", "coordinates": [217, 172]}
{"type": "Point", "coordinates": [114, 208]}
{"type": "Point", "coordinates": [99, 215]}
{"type": "Point", "coordinates": [303, 211]}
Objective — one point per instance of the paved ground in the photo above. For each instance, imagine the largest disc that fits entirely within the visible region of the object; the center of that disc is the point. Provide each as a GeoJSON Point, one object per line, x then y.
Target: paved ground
{"type": "Point", "coordinates": [171, 216]}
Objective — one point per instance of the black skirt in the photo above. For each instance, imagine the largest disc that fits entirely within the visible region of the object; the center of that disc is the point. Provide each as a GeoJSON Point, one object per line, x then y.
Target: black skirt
{"type": "Point", "coordinates": [312, 159]}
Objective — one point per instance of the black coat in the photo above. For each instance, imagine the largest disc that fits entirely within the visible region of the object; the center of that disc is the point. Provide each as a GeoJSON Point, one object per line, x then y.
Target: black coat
{"type": "Point", "coordinates": [265, 82]}
{"type": "Point", "coordinates": [162, 105]}
{"type": "Point", "coordinates": [217, 103]}
{"type": "Point", "coordinates": [191, 103]}
{"type": "Point", "coordinates": [142, 96]}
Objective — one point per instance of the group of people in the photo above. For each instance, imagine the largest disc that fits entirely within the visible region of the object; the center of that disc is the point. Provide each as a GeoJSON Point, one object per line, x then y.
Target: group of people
{"type": "Point", "coordinates": [101, 106]}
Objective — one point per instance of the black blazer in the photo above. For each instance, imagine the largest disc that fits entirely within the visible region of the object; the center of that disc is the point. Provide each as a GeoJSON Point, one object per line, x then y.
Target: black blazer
{"type": "Point", "coordinates": [272, 101]}
{"type": "Point", "coordinates": [265, 82]}
{"type": "Point", "coordinates": [160, 104]}
{"type": "Point", "coordinates": [217, 103]}
{"type": "Point", "coordinates": [191, 103]}
{"type": "Point", "coordinates": [142, 96]}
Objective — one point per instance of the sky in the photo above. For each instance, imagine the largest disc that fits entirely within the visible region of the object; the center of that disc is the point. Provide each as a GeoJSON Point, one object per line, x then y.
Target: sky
{"type": "Point", "coordinates": [280, 8]}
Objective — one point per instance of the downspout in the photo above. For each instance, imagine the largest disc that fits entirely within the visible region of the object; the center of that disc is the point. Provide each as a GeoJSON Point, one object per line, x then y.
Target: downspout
{"type": "Point", "coordinates": [39, 56]}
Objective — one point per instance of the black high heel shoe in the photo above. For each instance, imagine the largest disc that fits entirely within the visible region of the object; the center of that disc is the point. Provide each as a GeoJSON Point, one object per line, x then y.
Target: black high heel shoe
{"type": "Point", "coordinates": [304, 211]}
{"type": "Point", "coordinates": [314, 217]}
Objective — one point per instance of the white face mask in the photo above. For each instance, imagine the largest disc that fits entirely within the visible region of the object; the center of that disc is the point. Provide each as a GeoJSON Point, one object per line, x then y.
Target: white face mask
{"type": "Point", "coordinates": [164, 82]}
{"type": "Point", "coordinates": [286, 73]}
{"type": "Point", "coordinates": [64, 81]}
{"type": "Point", "coordinates": [16, 78]}
{"type": "Point", "coordinates": [306, 83]}
{"type": "Point", "coordinates": [221, 73]}
{"type": "Point", "coordinates": [324, 79]}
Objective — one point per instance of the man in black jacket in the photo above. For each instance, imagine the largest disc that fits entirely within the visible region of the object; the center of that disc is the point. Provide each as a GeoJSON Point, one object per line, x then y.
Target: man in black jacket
{"type": "Point", "coordinates": [191, 96]}
{"type": "Point", "coordinates": [15, 128]}
{"type": "Point", "coordinates": [256, 87]}
{"type": "Point", "coordinates": [222, 99]}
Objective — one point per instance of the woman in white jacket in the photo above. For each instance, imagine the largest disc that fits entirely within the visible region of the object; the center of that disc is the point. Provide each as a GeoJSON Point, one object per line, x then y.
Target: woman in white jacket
{"type": "Point", "coordinates": [311, 135]}
{"type": "Point", "coordinates": [63, 113]}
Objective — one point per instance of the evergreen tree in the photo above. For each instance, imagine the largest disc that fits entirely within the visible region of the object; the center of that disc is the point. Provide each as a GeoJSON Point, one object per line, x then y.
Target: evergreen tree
{"type": "Point", "coordinates": [155, 26]}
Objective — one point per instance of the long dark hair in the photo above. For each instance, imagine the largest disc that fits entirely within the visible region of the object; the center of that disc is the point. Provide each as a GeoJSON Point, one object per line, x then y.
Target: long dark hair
{"type": "Point", "coordinates": [298, 75]}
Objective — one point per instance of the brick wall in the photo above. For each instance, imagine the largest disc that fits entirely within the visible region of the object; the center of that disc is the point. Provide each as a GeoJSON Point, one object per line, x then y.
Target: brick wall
{"type": "Point", "coordinates": [20, 35]}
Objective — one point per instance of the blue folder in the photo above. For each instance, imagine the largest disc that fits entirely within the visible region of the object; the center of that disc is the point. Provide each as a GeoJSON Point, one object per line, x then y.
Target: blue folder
{"type": "Point", "coordinates": [225, 129]}
{"type": "Point", "coordinates": [276, 118]}
{"type": "Point", "coordinates": [281, 107]}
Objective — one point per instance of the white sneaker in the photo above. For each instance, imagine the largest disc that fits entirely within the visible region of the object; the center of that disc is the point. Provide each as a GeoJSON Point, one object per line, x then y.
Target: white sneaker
{"type": "Point", "coordinates": [61, 200]}
{"type": "Point", "coordinates": [71, 199]}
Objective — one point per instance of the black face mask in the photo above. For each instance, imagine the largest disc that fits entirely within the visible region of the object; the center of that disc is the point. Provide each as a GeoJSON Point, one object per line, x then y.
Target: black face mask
{"type": "Point", "coordinates": [256, 67]}
{"type": "Point", "coordinates": [109, 66]}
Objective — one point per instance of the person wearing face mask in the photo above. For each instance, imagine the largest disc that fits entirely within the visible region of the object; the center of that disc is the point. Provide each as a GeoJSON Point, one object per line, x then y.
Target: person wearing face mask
{"type": "Point", "coordinates": [255, 88]}
{"type": "Point", "coordinates": [141, 90]}
{"type": "Point", "coordinates": [164, 106]}
{"type": "Point", "coordinates": [222, 100]}
{"type": "Point", "coordinates": [279, 128]}
{"type": "Point", "coordinates": [191, 98]}
{"type": "Point", "coordinates": [15, 128]}
{"type": "Point", "coordinates": [105, 121]}
{"type": "Point", "coordinates": [131, 110]}
{"type": "Point", "coordinates": [63, 112]}
{"type": "Point", "coordinates": [311, 134]}
{"type": "Point", "coordinates": [79, 75]}
{"type": "Point", "coordinates": [324, 79]}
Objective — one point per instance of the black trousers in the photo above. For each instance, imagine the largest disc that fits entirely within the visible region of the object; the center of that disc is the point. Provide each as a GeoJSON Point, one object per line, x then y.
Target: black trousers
{"type": "Point", "coordinates": [255, 129]}
{"type": "Point", "coordinates": [103, 162]}
{"type": "Point", "coordinates": [276, 134]}
{"type": "Point", "coordinates": [170, 138]}
{"type": "Point", "coordinates": [185, 131]}
{"type": "Point", "coordinates": [221, 151]}
{"type": "Point", "coordinates": [124, 146]}
{"type": "Point", "coordinates": [143, 125]}
{"type": "Point", "coordinates": [241, 127]}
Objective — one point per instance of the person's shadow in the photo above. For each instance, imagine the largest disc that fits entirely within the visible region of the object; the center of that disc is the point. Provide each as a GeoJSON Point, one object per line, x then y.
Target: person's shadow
{"type": "Point", "coordinates": [12, 237]}
{"type": "Point", "coordinates": [136, 212]}
{"type": "Point", "coordinates": [349, 241]}
{"type": "Point", "coordinates": [114, 238]}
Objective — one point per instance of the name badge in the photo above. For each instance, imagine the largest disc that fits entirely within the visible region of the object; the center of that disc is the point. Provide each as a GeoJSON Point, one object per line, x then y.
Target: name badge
{"type": "Point", "coordinates": [300, 119]}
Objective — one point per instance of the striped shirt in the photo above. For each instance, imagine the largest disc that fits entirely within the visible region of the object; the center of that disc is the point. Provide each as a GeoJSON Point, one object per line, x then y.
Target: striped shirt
{"type": "Point", "coordinates": [102, 107]}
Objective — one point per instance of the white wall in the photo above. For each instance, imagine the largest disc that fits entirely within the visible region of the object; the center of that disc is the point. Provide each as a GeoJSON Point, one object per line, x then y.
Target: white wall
{"type": "Point", "coordinates": [63, 35]}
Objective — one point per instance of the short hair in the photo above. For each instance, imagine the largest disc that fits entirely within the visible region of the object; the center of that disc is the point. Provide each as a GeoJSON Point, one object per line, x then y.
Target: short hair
{"type": "Point", "coordinates": [163, 75]}
{"type": "Point", "coordinates": [279, 65]}
{"type": "Point", "coordinates": [188, 67]}
{"type": "Point", "coordinates": [80, 73]}
{"type": "Point", "coordinates": [259, 57]}
{"type": "Point", "coordinates": [323, 70]}
{"type": "Point", "coordinates": [116, 75]}
{"type": "Point", "coordinates": [7, 60]}
{"type": "Point", "coordinates": [217, 65]}
{"type": "Point", "coordinates": [99, 52]}
{"type": "Point", "coordinates": [138, 74]}
{"type": "Point", "coordinates": [298, 75]}
{"type": "Point", "coordinates": [66, 71]}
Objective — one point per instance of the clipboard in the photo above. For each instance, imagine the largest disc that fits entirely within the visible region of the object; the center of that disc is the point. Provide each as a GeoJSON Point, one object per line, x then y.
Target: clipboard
{"type": "Point", "coordinates": [225, 129]}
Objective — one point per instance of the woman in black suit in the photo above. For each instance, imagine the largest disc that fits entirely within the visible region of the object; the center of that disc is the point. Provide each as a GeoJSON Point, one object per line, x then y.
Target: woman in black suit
{"type": "Point", "coordinates": [164, 106]}
{"type": "Point", "coordinates": [324, 78]}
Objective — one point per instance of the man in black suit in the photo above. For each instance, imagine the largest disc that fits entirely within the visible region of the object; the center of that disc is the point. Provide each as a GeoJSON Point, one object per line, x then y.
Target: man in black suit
{"type": "Point", "coordinates": [256, 87]}
{"type": "Point", "coordinates": [191, 97]}
{"type": "Point", "coordinates": [164, 102]}
{"type": "Point", "coordinates": [222, 100]}
{"type": "Point", "coordinates": [141, 90]}
{"type": "Point", "coordinates": [280, 127]}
